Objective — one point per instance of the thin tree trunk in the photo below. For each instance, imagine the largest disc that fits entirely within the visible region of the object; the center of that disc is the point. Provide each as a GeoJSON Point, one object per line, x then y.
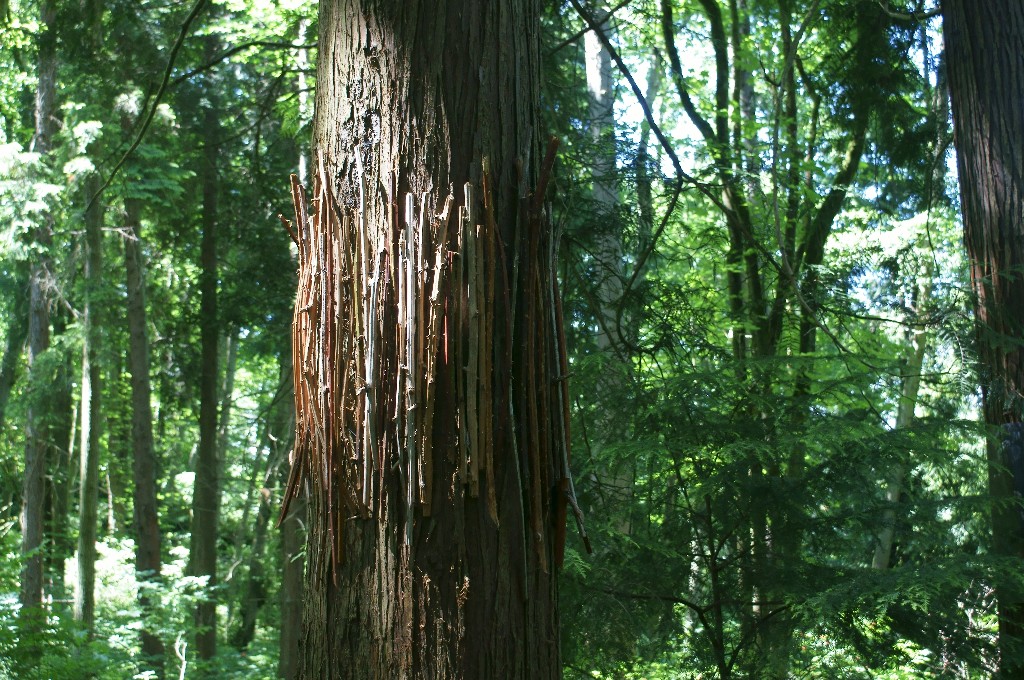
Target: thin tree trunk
{"type": "Point", "coordinates": [293, 524]}
{"type": "Point", "coordinates": [40, 281]}
{"type": "Point", "coordinates": [919, 337]}
{"type": "Point", "coordinates": [145, 516]}
{"type": "Point", "coordinates": [89, 411]}
{"type": "Point", "coordinates": [904, 419]}
{"type": "Point", "coordinates": [206, 498]}
{"type": "Point", "coordinates": [293, 554]}
{"type": "Point", "coordinates": [227, 400]}
{"type": "Point", "coordinates": [985, 60]}
{"type": "Point", "coordinates": [61, 467]}
{"type": "Point", "coordinates": [254, 593]}
{"type": "Point", "coordinates": [613, 383]}
{"type": "Point", "coordinates": [418, 444]}
{"type": "Point", "coordinates": [263, 473]}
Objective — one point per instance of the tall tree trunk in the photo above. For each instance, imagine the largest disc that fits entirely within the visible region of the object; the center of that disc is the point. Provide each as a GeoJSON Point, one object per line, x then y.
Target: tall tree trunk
{"type": "Point", "coordinates": [904, 419]}
{"type": "Point", "coordinates": [918, 332]}
{"type": "Point", "coordinates": [426, 354]}
{"type": "Point", "coordinates": [61, 466]}
{"type": "Point", "coordinates": [206, 498]}
{"type": "Point", "coordinates": [40, 281]}
{"type": "Point", "coordinates": [293, 535]}
{"type": "Point", "coordinates": [614, 475]}
{"type": "Point", "coordinates": [293, 525]}
{"type": "Point", "coordinates": [254, 591]}
{"type": "Point", "coordinates": [985, 60]}
{"type": "Point", "coordinates": [145, 517]}
{"type": "Point", "coordinates": [227, 391]}
{"type": "Point", "coordinates": [250, 593]}
{"type": "Point", "coordinates": [89, 411]}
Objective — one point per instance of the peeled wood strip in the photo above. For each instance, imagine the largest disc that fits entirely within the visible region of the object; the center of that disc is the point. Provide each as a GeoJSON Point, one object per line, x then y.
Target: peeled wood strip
{"type": "Point", "coordinates": [472, 361]}
{"type": "Point", "coordinates": [433, 338]}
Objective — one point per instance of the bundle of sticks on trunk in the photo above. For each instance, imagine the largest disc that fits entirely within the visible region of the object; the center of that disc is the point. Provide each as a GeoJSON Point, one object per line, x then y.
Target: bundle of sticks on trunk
{"type": "Point", "coordinates": [407, 359]}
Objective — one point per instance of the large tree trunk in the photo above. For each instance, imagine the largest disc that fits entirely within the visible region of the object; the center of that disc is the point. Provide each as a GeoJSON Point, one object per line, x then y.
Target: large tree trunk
{"type": "Point", "coordinates": [89, 411]}
{"type": "Point", "coordinates": [40, 281]}
{"type": "Point", "coordinates": [985, 59]}
{"type": "Point", "coordinates": [431, 428]}
{"type": "Point", "coordinates": [206, 498]}
{"type": "Point", "coordinates": [148, 562]}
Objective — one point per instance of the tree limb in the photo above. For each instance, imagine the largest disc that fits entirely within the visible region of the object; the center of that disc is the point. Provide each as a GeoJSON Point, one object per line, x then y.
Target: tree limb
{"type": "Point", "coordinates": [579, 34]}
{"type": "Point", "coordinates": [668, 31]}
{"type": "Point", "coordinates": [227, 54]}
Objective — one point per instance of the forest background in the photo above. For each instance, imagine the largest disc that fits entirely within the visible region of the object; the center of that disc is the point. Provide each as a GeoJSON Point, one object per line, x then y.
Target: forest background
{"type": "Point", "coordinates": [776, 415]}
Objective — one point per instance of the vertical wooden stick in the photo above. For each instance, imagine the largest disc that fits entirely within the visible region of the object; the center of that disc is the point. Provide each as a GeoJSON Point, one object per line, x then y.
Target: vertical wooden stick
{"type": "Point", "coordinates": [433, 338]}
{"type": "Point", "coordinates": [473, 358]}
{"type": "Point", "coordinates": [411, 325]}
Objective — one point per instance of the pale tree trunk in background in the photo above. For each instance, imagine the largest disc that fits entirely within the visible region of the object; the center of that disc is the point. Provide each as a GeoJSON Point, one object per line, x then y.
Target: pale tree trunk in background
{"type": "Point", "coordinates": [40, 281]}
{"type": "Point", "coordinates": [206, 498]}
{"type": "Point", "coordinates": [226, 390]}
{"type": "Point", "coordinates": [615, 476]}
{"type": "Point", "coordinates": [227, 399]}
{"type": "Point", "coordinates": [280, 423]}
{"type": "Point", "coordinates": [145, 517]}
{"type": "Point", "coordinates": [646, 162]}
{"type": "Point", "coordinates": [418, 445]}
{"type": "Point", "coordinates": [985, 61]}
{"type": "Point", "coordinates": [904, 419]}
{"type": "Point", "coordinates": [62, 468]}
{"type": "Point", "coordinates": [604, 191]}
{"type": "Point", "coordinates": [919, 336]}
{"type": "Point", "coordinates": [254, 592]}
{"type": "Point", "coordinates": [89, 411]}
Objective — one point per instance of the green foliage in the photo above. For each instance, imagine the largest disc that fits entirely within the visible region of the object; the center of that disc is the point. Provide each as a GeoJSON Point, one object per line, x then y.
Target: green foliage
{"type": "Point", "coordinates": [735, 497]}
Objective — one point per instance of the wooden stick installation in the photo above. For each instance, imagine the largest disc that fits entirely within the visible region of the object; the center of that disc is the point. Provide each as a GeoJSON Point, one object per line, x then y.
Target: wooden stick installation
{"type": "Point", "coordinates": [382, 301]}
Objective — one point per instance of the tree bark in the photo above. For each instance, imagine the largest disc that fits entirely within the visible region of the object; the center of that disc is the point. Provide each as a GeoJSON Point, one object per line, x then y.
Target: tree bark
{"type": "Point", "coordinates": [145, 517]}
{"type": "Point", "coordinates": [985, 59]}
{"type": "Point", "coordinates": [89, 411]}
{"type": "Point", "coordinates": [430, 415]}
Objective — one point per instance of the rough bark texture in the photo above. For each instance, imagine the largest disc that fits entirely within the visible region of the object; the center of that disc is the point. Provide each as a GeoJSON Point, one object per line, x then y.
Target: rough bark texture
{"type": "Point", "coordinates": [206, 499]}
{"type": "Point", "coordinates": [430, 425]}
{"type": "Point", "coordinates": [985, 59]}
{"type": "Point", "coordinates": [33, 502]}
{"type": "Point", "coordinates": [145, 516]}
{"type": "Point", "coordinates": [89, 411]}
